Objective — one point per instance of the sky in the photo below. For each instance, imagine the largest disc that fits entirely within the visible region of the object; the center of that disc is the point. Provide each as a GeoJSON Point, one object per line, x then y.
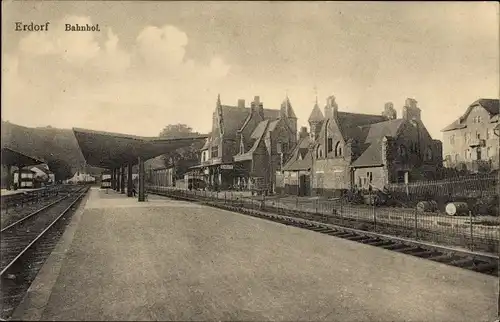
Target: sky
{"type": "Point", "coordinates": [158, 63]}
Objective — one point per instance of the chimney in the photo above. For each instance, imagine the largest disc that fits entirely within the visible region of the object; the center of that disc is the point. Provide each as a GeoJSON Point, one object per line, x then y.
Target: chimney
{"type": "Point", "coordinates": [331, 107]}
{"type": "Point", "coordinates": [411, 111]}
{"type": "Point", "coordinates": [258, 106]}
{"type": "Point", "coordinates": [261, 110]}
{"type": "Point", "coordinates": [410, 102]}
{"type": "Point", "coordinates": [303, 132]}
{"type": "Point", "coordinates": [241, 103]}
{"type": "Point", "coordinates": [389, 111]}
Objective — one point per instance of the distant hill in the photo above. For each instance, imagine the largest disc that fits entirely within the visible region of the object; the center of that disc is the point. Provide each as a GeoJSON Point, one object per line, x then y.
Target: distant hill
{"type": "Point", "coordinates": [46, 143]}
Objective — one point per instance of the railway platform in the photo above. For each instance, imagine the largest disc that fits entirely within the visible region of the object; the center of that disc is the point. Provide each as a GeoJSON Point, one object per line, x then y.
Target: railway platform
{"type": "Point", "coordinates": [172, 260]}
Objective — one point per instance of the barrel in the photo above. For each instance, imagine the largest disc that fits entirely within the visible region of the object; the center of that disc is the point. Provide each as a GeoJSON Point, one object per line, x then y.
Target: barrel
{"type": "Point", "coordinates": [457, 208]}
{"type": "Point", "coordinates": [427, 206]}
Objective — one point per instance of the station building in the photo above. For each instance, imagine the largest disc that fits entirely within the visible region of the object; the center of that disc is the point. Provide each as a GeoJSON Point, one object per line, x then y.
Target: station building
{"type": "Point", "coordinates": [247, 145]}
{"type": "Point", "coordinates": [346, 150]}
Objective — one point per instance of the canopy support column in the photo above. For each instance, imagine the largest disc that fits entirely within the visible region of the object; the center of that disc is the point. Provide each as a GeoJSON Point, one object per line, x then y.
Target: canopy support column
{"type": "Point", "coordinates": [19, 169]}
{"type": "Point", "coordinates": [142, 193]}
{"type": "Point", "coordinates": [9, 177]}
{"type": "Point", "coordinates": [117, 176]}
{"type": "Point", "coordinates": [112, 178]}
{"type": "Point", "coordinates": [129, 180]}
{"type": "Point", "coordinates": [122, 179]}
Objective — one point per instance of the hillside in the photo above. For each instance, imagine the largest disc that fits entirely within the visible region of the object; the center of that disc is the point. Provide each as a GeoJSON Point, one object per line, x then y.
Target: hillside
{"type": "Point", "coordinates": [46, 143]}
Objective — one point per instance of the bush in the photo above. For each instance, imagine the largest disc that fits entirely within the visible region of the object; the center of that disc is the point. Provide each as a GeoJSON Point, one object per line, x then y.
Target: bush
{"type": "Point", "coordinates": [486, 206]}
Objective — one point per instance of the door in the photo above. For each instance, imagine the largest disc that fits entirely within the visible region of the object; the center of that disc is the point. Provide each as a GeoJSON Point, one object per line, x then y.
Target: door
{"type": "Point", "coordinates": [304, 185]}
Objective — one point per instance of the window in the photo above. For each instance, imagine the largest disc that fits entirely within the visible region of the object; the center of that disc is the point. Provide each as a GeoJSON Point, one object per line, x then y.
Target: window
{"type": "Point", "coordinates": [478, 153]}
{"type": "Point", "coordinates": [338, 149]}
{"type": "Point", "coordinates": [402, 151]}
{"type": "Point", "coordinates": [478, 119]}
{"type": "Point", "coordinates": [369, 176]}
{"type": "Point", "coordinates": [488, 152]}
{"type": "Point", "coordinates": [215, 152]}
{"type": "Point", "coordinates": [466, 153]}
{"type": "Point", "coordinates": [456, 157]}
{"type": "Point", "coordinates": [330, 145]}
{"type": "Point", "coordinates": [429, 154]}
{"type": "Point", "coordinates": [284, 149]}
{"type": "Point", "coordinates": [478, 135]}
{"type": "Point", "coordinates": [452, 139]}
{"type": "Point", "coordinates": [487, 134]}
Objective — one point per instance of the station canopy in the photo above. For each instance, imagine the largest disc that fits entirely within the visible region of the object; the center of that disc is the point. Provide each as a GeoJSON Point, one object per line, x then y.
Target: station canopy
{"type": "Point", "coordinates": [12, 157]}
{"type": "Point", "coordinates": [109, 150]}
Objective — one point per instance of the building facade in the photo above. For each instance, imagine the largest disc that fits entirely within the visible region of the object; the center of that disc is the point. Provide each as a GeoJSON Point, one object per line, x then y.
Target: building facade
{"type": "Point", "coordinates": [469, 143]}
{"type": "Point", "coordinates": [247, 145]}
{"type": "Point", "coordinates": [347, 150]}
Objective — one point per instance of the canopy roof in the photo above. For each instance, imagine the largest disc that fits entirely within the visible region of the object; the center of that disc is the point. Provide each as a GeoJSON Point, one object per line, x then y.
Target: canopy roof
{"type": "Point", "coordinates": [108, 150]}
{"type": "Point", "coordinates": [13, 157]}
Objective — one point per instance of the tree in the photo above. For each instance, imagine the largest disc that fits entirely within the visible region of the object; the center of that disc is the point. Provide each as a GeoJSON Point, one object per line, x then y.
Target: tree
{"type": "Point", "coordinates": [61, 169]}
{"type": "Point", "coordinates": [176, 130]}
{"type": "Point", "coordinates": [180, 158]}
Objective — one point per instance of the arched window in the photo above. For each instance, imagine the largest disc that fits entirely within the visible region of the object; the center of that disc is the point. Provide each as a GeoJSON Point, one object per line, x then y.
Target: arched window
{"type": "Point", "coordinates": [403, 153]}
{"type": "Point", "coordinates": [338, 149]}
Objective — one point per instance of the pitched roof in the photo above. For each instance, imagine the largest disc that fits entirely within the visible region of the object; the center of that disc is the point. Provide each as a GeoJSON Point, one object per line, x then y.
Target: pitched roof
{"type": "Point", "coordinates": [206, 145]}
{"type": "Point", "coordinates": [304, 162]}
{"type": "Point", "coordinates": [269, 114]}
{"type": "Point", "coordinates": [257, 135]}
{"type": "Point", "coordinates": [287, 106]}
{"type": "Point", "coordinates": [259, 129]}
{"type": "Point", "coordinates": [490, 105]}
{"type": "Point", "coordinates": [388, 128]}
{"type": "Point", "coordinates": [42, 168]}
{"type": "Point", "coordinates": [352, 125]}
{"type": "Point", "coordinates": [316, 114]}
{"type": "Point", "coordinates": [234, 117]}
{"type": "Point", "coordinates": [371, 154]}
{"type": "Point", "coordinates": [454, 126]}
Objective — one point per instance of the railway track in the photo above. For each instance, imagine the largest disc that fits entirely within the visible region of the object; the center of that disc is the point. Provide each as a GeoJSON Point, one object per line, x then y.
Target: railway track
{"type": "Point", "coordinates": [26, 244]}
{"type": "Point", "coordinates": [474, 261]}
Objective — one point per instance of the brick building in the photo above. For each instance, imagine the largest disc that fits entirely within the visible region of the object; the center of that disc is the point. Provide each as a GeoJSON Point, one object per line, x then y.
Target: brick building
{"type": "Point", "coordinates": [350, 149]}
{"type": "Point", "coordinates": [247, 144]}
{"type": "Point", "coordinates": [469, 142]}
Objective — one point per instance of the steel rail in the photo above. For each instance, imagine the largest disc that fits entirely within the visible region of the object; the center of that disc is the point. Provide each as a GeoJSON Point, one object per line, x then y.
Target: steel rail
{"type": "Point", "coordinates": [422, 244]}
{"type": "Point", "coordinates": [6, 268]}
{"type": "Point", "coordinates": [34, 213]}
